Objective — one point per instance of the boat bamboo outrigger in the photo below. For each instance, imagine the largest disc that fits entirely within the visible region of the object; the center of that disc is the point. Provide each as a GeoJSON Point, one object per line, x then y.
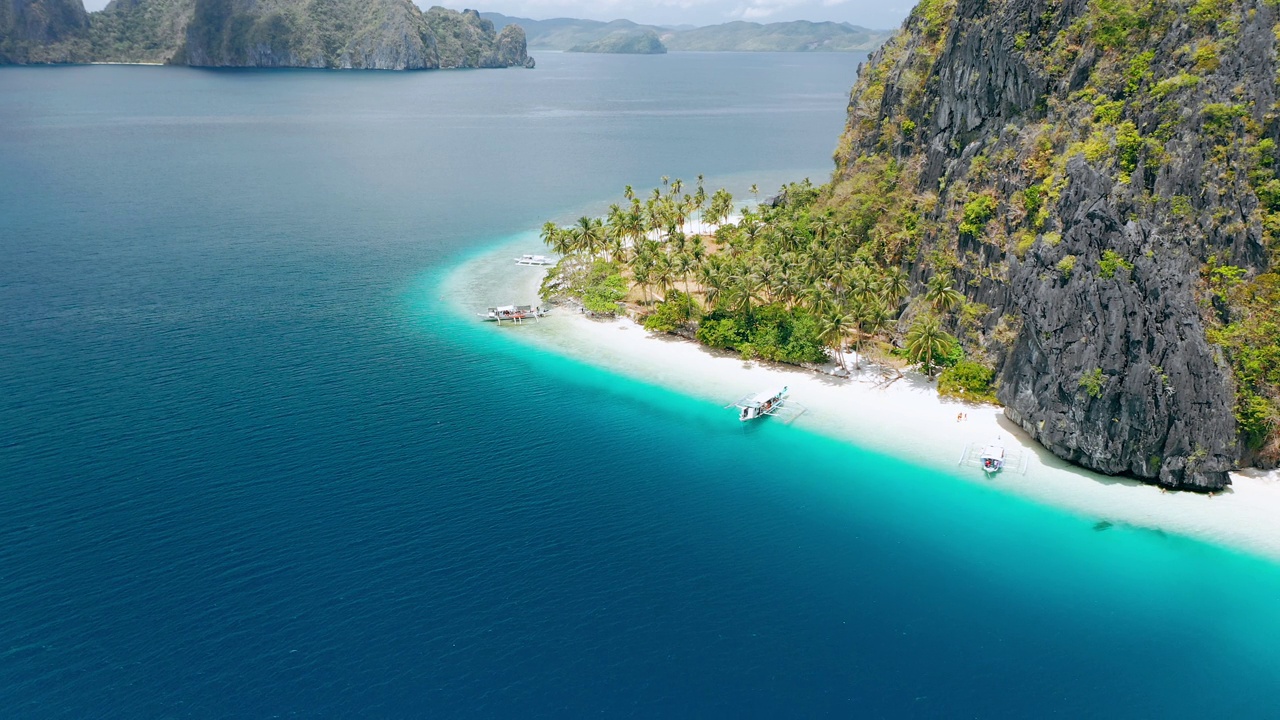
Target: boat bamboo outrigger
{"type": "Point", "coordinates": [514, 313]}
{"type": "Point", "coordinates": [534, 260]}
{"type": "Point", "coordinates": [768, 402]}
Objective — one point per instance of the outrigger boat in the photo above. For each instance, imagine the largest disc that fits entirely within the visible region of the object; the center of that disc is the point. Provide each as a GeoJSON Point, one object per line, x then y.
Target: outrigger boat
{"type": "Point", "coordinates": [992, 459]}
{"type": "Point", "coordinates": [514, 313]}
{"type": "Point", "coordinates": [534, 260]}
{"type": "Point", "coordinates": [768, 402]}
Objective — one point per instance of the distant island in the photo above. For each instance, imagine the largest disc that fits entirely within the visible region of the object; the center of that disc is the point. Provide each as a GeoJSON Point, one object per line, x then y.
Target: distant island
{"type": "Point", "coordinates": [624, 36]}
{"type": "Point", "coordinates": [641, 42]}
{"type": "Point", "coordinates": [338, 34]}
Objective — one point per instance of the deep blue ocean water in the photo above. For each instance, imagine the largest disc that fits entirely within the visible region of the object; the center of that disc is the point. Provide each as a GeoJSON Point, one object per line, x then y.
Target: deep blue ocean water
{"type": "Point", "coordinates": [252, 465]}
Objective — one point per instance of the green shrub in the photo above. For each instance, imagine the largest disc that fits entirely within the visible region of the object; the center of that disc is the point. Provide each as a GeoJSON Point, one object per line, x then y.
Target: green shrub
{"type": "Point", "coordinates": [1206, 57]}
{"type": "Point", "coordinates": [977, 212]}
{"type": "Point", "coordinates": [1025, 242]}
{"type": "Point", "coordinates": [1264, 153]}
{"type": "Point", "coordinates": [672, 313]}
{"type": "Point", "coordinates": [1108, 113]}
{"type": "Point", "coordinates": [1256, 417]}
{"type": "Point", "coordinates": [1066, 265]}
{"type": "Point", "coordinates": [1138, 72]}
{"type": "Point", "coordinates": [1209, 12]}
{"type": "Point", "coordinates": [1269, 195]}
{"type": "Point", "coordinates": [1168, 86]}
{"type": "Point", "coordinates": [1180, 205]}
{"type": "Point", "coordinates": [1219, 118]}
{"type": "Point", "coordinates": [1110, 263]}
{"type": "Point", "coordinates": [603, 297]}
{"type": "Point", "coordinates": [1128, 145]}
{"type": "Point", "coordinates": [1092, 382]}
{"type": "Point", "coordinates": [968, 380]}
{"type": "Point", "coordinates": [720, 333]}
{"type": "Point", "coordinates": [1032, 199]}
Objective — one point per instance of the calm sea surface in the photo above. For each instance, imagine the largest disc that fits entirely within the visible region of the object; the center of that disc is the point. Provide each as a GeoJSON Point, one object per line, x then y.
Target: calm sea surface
{"type": "Point", "coordinates": [252, 465]}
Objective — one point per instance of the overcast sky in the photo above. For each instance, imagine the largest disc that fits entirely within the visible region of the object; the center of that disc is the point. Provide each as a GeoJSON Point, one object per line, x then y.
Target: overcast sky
{"type": "Point", "coordinates": [868, 13]}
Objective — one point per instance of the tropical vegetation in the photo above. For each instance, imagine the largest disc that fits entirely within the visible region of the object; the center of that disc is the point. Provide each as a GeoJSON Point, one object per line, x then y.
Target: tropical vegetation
{"type": "Point", "coordinates": [785, 280]}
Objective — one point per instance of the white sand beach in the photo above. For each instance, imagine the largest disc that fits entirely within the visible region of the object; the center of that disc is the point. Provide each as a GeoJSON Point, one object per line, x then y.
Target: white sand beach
{"type": "Point", "coordinates": [904, 418]}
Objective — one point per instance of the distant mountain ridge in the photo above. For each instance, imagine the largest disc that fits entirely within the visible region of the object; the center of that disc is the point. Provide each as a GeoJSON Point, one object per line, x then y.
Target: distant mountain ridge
{"type": "Point", "coordinates": [347, 34]}
{"type": "Point", "coordinates": [624, 42]}
{"type": "Point", "coordinates": [569, 34]}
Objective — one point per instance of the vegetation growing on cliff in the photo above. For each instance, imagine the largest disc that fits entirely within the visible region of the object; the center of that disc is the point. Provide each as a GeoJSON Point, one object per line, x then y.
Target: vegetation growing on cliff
{"type": "Point", "coordinates": [381, 34]}
{"type": "Point", "coordinates": [1085, 168]}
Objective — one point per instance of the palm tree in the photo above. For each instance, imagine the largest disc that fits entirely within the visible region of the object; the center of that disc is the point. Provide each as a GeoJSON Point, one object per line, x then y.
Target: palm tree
{"type": "Point", "coordinates": [681, 265]}
{"type": "Point", "coordinates": [747, 291]}
{"type": "Point", "coordinates": [555, 237]}
{"type": "Point", "coordinates": [873, 319]}
{"type": "Point", "coordinates": [643, 276]}
{"type": "Point", "coordinates": [942, 295]}
{"type": "Point", "coordinates": [721, 207]}
{"type": "Point", "coordinates": [663, 274]}
{"type": "Point", "coordinates": [835, 324]}
{"type": "Point", "coordinates": [822, 229]}
{"type": "Point", "coordinates": [588, 235]}
{"type": "Point", "coordinates": [894, 286]}
{"type": "Point", "coordinates": [927, 342]}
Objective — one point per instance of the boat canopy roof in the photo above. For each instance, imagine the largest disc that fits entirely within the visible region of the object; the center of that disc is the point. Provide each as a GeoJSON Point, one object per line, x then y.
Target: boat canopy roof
{"type": "Point", "coordinates": [994, 452]}
{"type": "Point", "coordinates": [765, 396]}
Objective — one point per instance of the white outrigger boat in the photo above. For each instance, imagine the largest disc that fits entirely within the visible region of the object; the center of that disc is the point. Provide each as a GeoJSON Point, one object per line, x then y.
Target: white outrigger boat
{"type": "Point", "coordinates": [534, 260]}
{"type": "Point", "coordinates": [514, 313]}
{"type": "Point", "coordinates": [992, 459]}
{"type": "Point", "coordinates": [768, 402]}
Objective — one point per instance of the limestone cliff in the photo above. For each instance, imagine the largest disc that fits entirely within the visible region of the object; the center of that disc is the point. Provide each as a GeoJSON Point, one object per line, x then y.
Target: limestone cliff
{"type": "Point", "coordinates": [357, 34]}
{"type": "Point", "coordinates": [1098, 178]}
{"type": "Point", "coordinates": [39, 31]}
{"type": "Point", "coordinates": [467, 40]}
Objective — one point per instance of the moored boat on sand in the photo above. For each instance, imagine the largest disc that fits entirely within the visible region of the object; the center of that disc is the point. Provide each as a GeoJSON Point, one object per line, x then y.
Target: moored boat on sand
{"type": "Point", "coordinates": [514, 313]}
{"type": "Point", "coordinates": [534, 260]}
{"type": "Point", "coordinates": [767, 402]}
{"type": "Point", "coordinates": [992, 459]}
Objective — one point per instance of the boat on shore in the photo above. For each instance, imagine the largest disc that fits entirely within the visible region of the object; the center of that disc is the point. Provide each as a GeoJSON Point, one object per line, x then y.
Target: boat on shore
{"type": "Point", "coordinates": [514, 313]}
{"type": "Point", "coordinates": [992, 459]}
{"type": "Point", "coordinates": [535, 260]}
{"type": "Point", "coordinates": [767, 402]}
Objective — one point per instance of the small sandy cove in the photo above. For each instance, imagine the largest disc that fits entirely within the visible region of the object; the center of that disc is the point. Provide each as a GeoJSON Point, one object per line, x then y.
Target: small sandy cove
{"type": "Point", "coordinates": [904, 418]}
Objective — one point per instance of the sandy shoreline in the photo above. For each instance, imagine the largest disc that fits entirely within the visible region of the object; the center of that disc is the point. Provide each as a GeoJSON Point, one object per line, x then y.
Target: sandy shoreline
{"type": "Point", "coordinates": [904, 418]}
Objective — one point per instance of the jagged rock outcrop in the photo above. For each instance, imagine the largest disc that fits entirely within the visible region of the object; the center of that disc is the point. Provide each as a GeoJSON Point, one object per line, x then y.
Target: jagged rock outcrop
{"type": "Point", "coordinates": [349, 34]}
{"type": "Point", "coordinates": [43, 31]}
{"type": "Point", "coordinates": [466, 40]}
{"type": "Point", "coordinates": [1089, 173]}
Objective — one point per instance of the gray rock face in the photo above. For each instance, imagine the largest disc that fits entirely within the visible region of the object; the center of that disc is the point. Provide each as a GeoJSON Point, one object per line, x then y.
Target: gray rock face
{"type": "Point", "coordinates": [42, 30]}
{"type": "Point", "coordinates": [510, 49]}
{"type": "Point", "coordinates": [346, 34]}
{"type": "Point", "coordinates": [1113, 373]}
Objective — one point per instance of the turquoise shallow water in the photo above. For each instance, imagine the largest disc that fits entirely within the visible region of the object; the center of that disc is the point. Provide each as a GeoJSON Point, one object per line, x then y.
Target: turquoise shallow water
{"type": "Point", "coordinates": [253, 464]}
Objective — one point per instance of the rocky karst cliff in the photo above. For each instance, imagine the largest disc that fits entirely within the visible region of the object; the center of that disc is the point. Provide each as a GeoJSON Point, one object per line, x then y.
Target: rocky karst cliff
{"type": "Point", "coordinates": [1098, 178]}
{"type": "Point", "coordinates": [43, 31]}
{"type": "Point", "coordinates": [366, 34]}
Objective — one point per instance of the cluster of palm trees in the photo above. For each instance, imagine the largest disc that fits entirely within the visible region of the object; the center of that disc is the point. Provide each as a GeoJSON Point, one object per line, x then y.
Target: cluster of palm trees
{"type": "Point", "coordinates": [790, 255]}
